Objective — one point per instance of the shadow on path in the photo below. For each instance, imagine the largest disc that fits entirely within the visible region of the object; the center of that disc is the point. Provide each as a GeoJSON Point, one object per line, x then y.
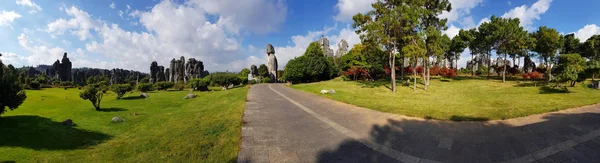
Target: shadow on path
{"type": "Point", "coordinates": [40, 133]}
{"type": "Point", "coordinates": [493, 141]}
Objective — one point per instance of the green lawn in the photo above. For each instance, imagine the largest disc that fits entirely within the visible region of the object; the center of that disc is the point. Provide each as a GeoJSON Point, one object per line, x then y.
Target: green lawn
{"type": "Point", "coordinates": [466, 99]}
{"type": "Point", "coordinates": [166, 129]}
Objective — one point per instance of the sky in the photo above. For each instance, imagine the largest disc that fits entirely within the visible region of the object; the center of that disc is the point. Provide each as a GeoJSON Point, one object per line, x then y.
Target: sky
{"type": "Point", "coordinates": [228, 35]}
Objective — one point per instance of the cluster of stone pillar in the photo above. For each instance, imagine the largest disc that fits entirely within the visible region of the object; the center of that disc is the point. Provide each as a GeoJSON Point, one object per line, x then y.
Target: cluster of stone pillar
{"type": "Point", "coordinates": [178, 71]}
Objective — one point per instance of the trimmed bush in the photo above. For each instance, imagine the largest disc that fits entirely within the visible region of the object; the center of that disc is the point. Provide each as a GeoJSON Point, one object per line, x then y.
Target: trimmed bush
{"type": "Point", "coordinates": [179, 86]}
{"type": "Point", "coordinates": [144, 87]}
{"type": "Point", "coordinates": [163, 85]}
{"type": "Point", "coordinates": [199, 84]}
{"type": "Point", "coordinates": [92, 94]}
{"type": "Point", "coordinates": [121, 89]}
{"type": "Point", "coordinates": [34, 85]}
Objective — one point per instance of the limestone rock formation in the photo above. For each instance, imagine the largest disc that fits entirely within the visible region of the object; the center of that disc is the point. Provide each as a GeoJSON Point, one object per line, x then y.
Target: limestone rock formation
{"type": "Point", "coordinates": [153, 70]}
{"type": "Point", "coordinates": [62, 69]}
{"type": "Point", "coordinates": [342, 48]}
{"type": "Point", "coordinates": [144, 95]}
{"type": "Point", "coordinates": [190, 95]}
{"type": "Point", "coordinates": [68, 122]}
{"type": "Point", "coordinates": [271, 63]}
{"type": "Point", "coordinates": [529, 65]}
{"type": "Point", "coordinates": [160, 75]}
{"type": "Point", "coordinates": [116, 120]}
{"type": "Point", "coordinates": [324, 42]}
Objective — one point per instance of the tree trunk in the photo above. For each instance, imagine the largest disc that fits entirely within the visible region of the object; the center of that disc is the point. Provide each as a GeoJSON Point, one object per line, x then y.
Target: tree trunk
{"type": "Point", "coordinates": [472, 67]}
{"type": "Point", "coordinates": [549, 67]}
{"type": "Point", "coordinates": [504, 71]}
{"type": "Point", "coordinates": [593, 76]}
{"type": "Point", "coordinates": [393, 69]}
{"type": "Point", "coordinates": [489, 65]}
{"type": "Point", "coordinates": [415, 75]}
{"type": "Point", "coordinates": [456, 60]}
{"type": "Point", "coordinates": [402, 69]}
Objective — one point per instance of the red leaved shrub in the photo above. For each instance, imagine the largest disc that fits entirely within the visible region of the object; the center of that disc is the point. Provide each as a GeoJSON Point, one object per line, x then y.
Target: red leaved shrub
{"type": "Point", "coordinates": [356, 72]}
{"type": "Point", "coordinates": [535, 75]}
{"type": "Point", "coordinates": [525, 75]}
{"type": "Point", "coordinates": [434, 71]}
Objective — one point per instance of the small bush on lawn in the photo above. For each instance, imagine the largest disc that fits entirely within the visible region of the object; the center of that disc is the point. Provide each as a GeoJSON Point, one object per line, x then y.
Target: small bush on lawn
{"type": "Point", "coordinates": [144, 87]}
{"type": "Point", "coordinates": [179, 86]}
{"type": "Point", "coordinates": [163, 85]}
{"type": "Point", "coordinates": [200, 84]}
{"type": "Point", "coordinates": [34, 85]}
{"type": "Point", "coordinates": [121, 89]}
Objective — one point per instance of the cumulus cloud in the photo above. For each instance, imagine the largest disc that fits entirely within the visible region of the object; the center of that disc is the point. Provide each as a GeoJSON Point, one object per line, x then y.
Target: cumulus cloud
{"type": "Point", "coordinates": [80, 24]}
{"type": "Point", "coordinates": [34, 7]}
{"type": "Point", "coordinates": [39, 54]}
{"type": "Point", "coordinates": [451, 31]}
{"type": "Point", "coordinates": [7, 17]}
{"type": "Point", "coordinates": [587, 31]}
{"type": "Point", "coordinates": [349, 8]}
{"type": "Point", "coordinates": [112, 5]}
{"type": "Point", "coordinates": [11, 58]}
{"type": "Point", "coordinates": [461, 9]}
{"type": "Point", "coordinates": [529, 14]}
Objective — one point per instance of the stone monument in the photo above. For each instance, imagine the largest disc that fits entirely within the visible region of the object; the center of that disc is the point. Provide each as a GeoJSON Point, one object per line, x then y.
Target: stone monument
{"type": "Point", "coordinates": [271, 63]}
{"type": "Point", "coordinates": [342, 48]}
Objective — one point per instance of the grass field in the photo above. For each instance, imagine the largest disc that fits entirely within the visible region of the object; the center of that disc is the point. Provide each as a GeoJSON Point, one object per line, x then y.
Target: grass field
{"type": "Point", "coordinates": [165, 129]}
{"type": "Point", "coordinates": [465, 99]}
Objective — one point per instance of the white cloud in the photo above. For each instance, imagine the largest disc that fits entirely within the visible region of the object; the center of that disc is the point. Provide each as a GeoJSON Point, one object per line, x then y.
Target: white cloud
{"type": "Point", "coordinates": [112, 5]}
{"type": "Point", "coordinates": [349, 8]}
{"type": "Point", "coordinates": [587, 31]}
{"type": "Point", "coordinates": [11, 58]}
{"type": "Point", "coordinates": [452, 31]}
{"type": "Point", "coordinates": [80, 24]}
{"type": "Point", "coordinates": [121, 13]}
{"type": "Point", "coordinates": [259, 16]}
{"type": "Point", "coordinates": [529, 14]}
{"type": "Point", "coordinates": [39, 54]}
{"type": "Point", "coordinates": [35, 7]}
{"type": "Point", "coordinates": [7, 17]}
{"type": "Point", "coordinates": [460, 9]}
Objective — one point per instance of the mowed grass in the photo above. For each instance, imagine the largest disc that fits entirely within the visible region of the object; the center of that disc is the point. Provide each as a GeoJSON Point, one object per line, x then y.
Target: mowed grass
{"type": "Point", "coordinates": [165, 129]}
{"type": "Point", "coordinates": [459, 100]}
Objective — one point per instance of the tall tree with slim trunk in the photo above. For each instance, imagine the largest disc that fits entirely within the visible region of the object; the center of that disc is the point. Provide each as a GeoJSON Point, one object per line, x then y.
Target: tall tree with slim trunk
{"type": "Point", "coordinates": [484, 42]}
{"type": "Point", "coordinates": [571, 44]}
{"type": "Point", "coordinates": [387, 25]}
{"type": "Point", "coordinates": [431, 25]}
{"type": "Point", "coordinates": [547, 43]}
{"type": "Point", "coordinates": [457, 46]}
{"type": "Point", "coordinates": [508, 38]}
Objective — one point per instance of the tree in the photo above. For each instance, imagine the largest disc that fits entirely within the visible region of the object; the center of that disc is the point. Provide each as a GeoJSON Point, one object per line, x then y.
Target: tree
{"type": "Point", "coordinates": [310, 67]}
{"type": "Point", "coordinates": [432, 25]}
{"type": "Point", "coordinates": [121, 89]}
{"type": "Point", "coordinates": [547, 44]}
{"type": "Point", "coordinates": [12, 93]}
{"type": "Point", "coordinates": [568, 68]}
{"type": "Point", "coordinates": [244, 72]}
{"type": "Point", "coordinates": [457, 46]}
{"type": "Point", "coordinates": [224, 79]}
{"type": "Point", "coordinates": [200, 84]}
{"type": "Point", "coordinates": [508, 38]}
{"type": "Point", "coordinates": [93, 94]}
{"type": "Point", "coordinates": [163, 85]}
{"type": "Point", "coordinates": [144, 87]}
{"type": "Point", "coordinates": [263, 71]}
{"type": "Point", "coordinates": [570, 44]}
{"type": "Point", "coordinates": [389, 25]}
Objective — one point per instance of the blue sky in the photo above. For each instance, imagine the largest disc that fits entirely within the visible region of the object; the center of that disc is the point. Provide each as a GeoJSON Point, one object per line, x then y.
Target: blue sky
{"type": "Point", "coordinates": [228, 34]}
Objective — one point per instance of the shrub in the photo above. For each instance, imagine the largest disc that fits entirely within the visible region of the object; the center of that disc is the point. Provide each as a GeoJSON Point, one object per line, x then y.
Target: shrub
{"type": "Point", "coordinates": [525, 75]}
{"type": "Point", "coordinates": [34, 85]}
{"type": "Point", "coordinates": [94, 95]}
{"type": "Point", "coordinates": [266, 80]}
{"type": "Point", "coordinates": [55, 83]}
{"type": "Point", "coordinates": [434, 71]}
{"type": "Point", "coordinates": [225, 79]}
{"type": "Point", "coordinates": [163, 85]}
{"type": "Point", "coordinates": [144, 87]}
{"type": "Point", "coordinates": [66, 84]}
{"type": "Point", "coordinates": [121, 89]}
{"type": "Point", "coordinates": [448, 73]}
{"type": "Point", "coordinates": [311, 67]}
{"type": "Point", "coordinates": [514, 71]}
{"type": "Point", "coordinates": [252, 82]}
{"type": "Point", "coordinates": [200, 84]}
{"type": "Point", "coordinates": [179, 86]}
{"type": "Point", "coordinates": [355, 72]}
{"type": "Point", "coordinates": [11, 92]}
{"type": "Point", "coordinates": [535, 75]}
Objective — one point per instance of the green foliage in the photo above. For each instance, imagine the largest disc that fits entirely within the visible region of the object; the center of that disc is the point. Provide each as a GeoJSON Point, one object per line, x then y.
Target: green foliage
{"type": "Point", "coordinates": [570, 43]}
{"type": "Point", "coordinates": [34, 85]}
{"type": "Point", "coordinates": [163, 85]}
{"type": "Point", "coordinates": [94, 95]}
{"type": "Point", "coordinates": [179, 86]}
{"type": "Point", "coordinates": [144, 87]}
{"type": "Point", "coordinates": [224, 79]}
{"type": "Point", "coordinates": [266, 80]}
{"type": "Point", "coordinates": [244, 72]}
{"type": "Point", "coordinates": [11, 91]}
{"type": "Point", "coordinates": [263, 71]}
{"type": "Point", "coordinates": [369, 58]}
{"type": "Point", "coordinates": [121, 89]}
{"type": "Point", "coordinates": [591, 48]}
{"type": "Point", "coordinates": [310, 67]}
{"type": "Point", "coordinates": [547, 42]}
{"type": "Point", "coordinates": [65, 84]}
{"type": "Point", "coordinates": [200, 84]}
{"type": "Point", "coordinates": [568, 68]}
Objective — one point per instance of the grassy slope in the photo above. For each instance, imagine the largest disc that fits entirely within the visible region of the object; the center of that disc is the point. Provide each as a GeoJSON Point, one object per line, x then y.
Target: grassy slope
{"type": "Point", "coordinates": [458, 99]}
{"type": "Point", "coordinates": [168, 129]}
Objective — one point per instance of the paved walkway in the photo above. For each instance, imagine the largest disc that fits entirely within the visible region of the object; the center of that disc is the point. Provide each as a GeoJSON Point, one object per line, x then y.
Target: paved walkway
{"type": "Point", "coordinates": [285, 125]}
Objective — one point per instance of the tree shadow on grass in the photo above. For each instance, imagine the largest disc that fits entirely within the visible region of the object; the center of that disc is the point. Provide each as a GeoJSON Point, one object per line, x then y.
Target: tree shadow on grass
{"type": "Point", "coordinates": [41, 133]}
{"type": "Point", "coordinates": [111, 109]}
{"type": "Point", "coordinates": [132, 98]}
{"type": "Point", "coordinates": [553, 90]}
{"type": "Point", "coordinates": [467, 118]}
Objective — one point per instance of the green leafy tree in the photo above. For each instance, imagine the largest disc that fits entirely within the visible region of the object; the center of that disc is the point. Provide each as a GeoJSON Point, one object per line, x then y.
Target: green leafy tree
{"type": "Point", "coordinates": [200, 84]}
{"type": "Point", "coordinates": [12, 93]}
{"type": "Point", "coordinates": [310, 67]}
{"type": "Point", "coordinates": [508, 38]}
{"type": "Point", "coordinates": [224, 79]}
{"type": "Point", "coordinates": [547, 44]}
{"type": "Point", "coordinates": [244, 72]}
{"type": "Point", "coordinates": [571, 44]}
{"type": "Point", "coordinates": [457, 46]}
{"type": "Point", "coordinates": [263, 71]}
{"type": "Point", "coordinates": [389, 25]}
{"type": "Point", "coordinates": [121, 89]}
{"type": "Point", "coordinates": [569, 67]}
{"type": "Point", "coordinates": [93, 94]}
{"type": "Point", "coordinates": [432, 25]}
